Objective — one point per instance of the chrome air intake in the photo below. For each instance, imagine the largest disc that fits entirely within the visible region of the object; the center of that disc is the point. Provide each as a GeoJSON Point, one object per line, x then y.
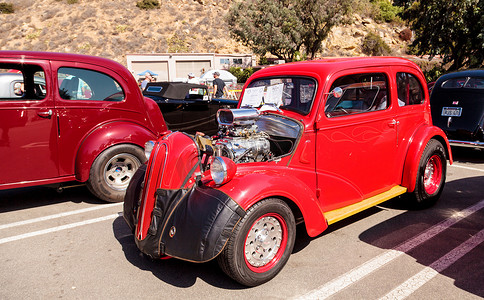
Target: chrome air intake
{"type": "Point", "coordinates": [241, 117]}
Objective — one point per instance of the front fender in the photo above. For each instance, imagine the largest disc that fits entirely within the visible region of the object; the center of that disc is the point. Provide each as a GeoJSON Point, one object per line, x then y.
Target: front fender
{"type": "Point", "coordinates": [190, 224]}
{"type": "Point", "coordinates": [105, 136]}
{"type": "Point", "coordinates": [253, 183]}
{"type": "Point", "coordinates": [417, 145]}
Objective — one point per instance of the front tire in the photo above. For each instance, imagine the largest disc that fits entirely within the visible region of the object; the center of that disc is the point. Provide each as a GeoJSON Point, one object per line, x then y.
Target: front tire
{"type": "Point", "coordinates": [431, 175]}
{"type": "Point", "coordinates": [112, 170]}
{"type": "Point", "coordinates": [260, 244]}
{"type": "Point", "coordinates": [132, 200]}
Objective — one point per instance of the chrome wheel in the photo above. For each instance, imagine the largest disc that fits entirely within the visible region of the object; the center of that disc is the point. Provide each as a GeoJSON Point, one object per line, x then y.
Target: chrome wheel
{"type": "Point", "coordinates": [433, 174]}
{"type": "Point", "coordinates": [120, 169]}
{"type": "Point", "coordinates": [264, 241]}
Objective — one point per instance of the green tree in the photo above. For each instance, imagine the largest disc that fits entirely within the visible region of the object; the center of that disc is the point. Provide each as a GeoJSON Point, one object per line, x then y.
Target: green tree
{"type": "Point", "coordinates": [266, 26]}
{"type": "Point", "coordinates": [318, 17]}
{"type": "Point", "coordinates": [285, 28]}
{"type": "Point", "coordinates": [451, 29]}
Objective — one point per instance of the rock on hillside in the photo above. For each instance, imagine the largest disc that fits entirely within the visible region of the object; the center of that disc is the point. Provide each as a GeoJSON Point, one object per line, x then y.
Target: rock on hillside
{"type": "Point", "coordinates": [114, 28]}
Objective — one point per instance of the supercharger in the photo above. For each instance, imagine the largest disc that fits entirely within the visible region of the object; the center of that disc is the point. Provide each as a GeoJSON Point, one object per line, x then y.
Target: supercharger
{"type": "Point", "coordinates": [240, 138]}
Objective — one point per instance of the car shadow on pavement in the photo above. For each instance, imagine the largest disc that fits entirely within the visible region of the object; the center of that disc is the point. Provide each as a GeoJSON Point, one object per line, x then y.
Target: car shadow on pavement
{"type": "Point", "coordinates": [31, 197]}
{"type": "Point", "coordinates": [172, 271]}
{"type": "Point", "coordinates": [472, 155]}
{"type": "Point", "coordinates": [467, 271]}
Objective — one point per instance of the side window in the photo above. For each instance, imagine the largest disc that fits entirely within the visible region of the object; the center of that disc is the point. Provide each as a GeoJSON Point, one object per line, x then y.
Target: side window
{"type": "Point", "coordinates": [359, 93]}
{"type": "Point", "coordinates": [22, 82]}
{"type": "Point", "coordinates": [410, 92]}
{"type": "Point", "coordinates": [83, 84]}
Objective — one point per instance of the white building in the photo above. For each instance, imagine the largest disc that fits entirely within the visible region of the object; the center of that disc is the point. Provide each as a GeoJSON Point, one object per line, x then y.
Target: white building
{"type": "Point", "coordinates": [176, 66]}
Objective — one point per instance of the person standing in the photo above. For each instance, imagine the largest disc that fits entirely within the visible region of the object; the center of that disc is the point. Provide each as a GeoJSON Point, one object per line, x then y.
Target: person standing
{"type": "Point", "coordinates": [148, 78]}
{"type": "Point", "coordinates": [192, 79]}
{"type": "Point", "coordinates": [219, 87]}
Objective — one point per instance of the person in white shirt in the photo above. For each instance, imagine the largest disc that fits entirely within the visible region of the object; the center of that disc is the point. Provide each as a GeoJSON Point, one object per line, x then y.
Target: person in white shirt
{"type": "Point", "coordinates": [192, 79]}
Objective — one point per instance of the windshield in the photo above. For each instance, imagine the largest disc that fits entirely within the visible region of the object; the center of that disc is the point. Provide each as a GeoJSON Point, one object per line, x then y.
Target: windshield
{"type": "Point", "coordinates": [291, 93]}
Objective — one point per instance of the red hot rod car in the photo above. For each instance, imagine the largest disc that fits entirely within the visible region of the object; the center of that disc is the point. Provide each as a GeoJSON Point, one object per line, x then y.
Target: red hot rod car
{"type": "Point", "coordinates": [311, 142]}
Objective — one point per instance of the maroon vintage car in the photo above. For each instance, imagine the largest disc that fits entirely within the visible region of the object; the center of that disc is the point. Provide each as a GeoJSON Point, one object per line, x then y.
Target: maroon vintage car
{"type": "Point", "coordinates": [311, 142]}
{"type": "Point", "coordinates": [68, 117]}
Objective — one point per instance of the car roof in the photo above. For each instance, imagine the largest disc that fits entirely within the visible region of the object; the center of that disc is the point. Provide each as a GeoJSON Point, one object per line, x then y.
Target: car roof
{"type": "Point", "coordinates": [331, 65]}
{"type": "Point", "coordinates": [172, 90]}
{"type": "Point", "coordinates": [70, 57]}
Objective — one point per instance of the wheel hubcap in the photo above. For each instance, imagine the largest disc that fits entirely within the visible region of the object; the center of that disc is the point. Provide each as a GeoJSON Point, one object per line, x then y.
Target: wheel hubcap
{"type": "Point", "coordinates": [432, 174]}
{"type": "Point", "coordinates": [120, 169]}
{"type": "Point", "coordinates": [265, 242]}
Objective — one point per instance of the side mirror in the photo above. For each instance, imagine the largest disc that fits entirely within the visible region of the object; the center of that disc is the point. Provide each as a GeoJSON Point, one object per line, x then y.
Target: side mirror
{"type": "Point", "coordinates": [337, 92]}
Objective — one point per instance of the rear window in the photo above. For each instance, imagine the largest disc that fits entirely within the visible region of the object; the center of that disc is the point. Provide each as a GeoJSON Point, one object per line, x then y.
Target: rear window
{"type": "Point", "coordinates": [83, 84]}
{"type": "Point", "coordinates": [464, 82]}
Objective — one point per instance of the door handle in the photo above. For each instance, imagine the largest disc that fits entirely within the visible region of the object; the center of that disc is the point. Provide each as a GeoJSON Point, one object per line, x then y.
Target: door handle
{"type": "Point", "coordinates": [393, 123]}
{"type": "Point", "coordinates": [45, 114]}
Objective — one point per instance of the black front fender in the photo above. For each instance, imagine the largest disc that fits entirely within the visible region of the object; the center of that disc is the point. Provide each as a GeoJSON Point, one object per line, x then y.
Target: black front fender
{"type": "Point", "coordinates": [192, 224]}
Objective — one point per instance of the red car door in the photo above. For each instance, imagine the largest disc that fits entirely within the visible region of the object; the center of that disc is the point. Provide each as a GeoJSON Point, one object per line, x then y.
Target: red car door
{"type": "Point", "coordinates": [356, 140]}
{"type": "Point", "coordinates": [88, 96]}
{"type": "Point", "coordinates": [28, 144]}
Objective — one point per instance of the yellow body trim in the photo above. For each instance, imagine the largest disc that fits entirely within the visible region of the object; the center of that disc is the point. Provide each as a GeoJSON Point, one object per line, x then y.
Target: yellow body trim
{"type": "Point", "coordinates": [339, 214]}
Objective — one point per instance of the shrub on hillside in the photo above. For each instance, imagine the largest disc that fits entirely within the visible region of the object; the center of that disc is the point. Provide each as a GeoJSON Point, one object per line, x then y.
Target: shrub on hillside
{"type": "Point", "coordinates": [373, 45]}
{"type": "Point", "coordinates": [405, 35]}
{"type": "Point", "coordinates": [6, 8]}
{"type": "Point", "coordinates": [148, 4]}
{"type": "Point", "coordinates": [387, 12]}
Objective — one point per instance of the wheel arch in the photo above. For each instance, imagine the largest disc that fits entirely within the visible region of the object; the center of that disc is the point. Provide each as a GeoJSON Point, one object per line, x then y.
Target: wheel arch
{"type": "Point", "coordinates": [417, 146]}
{"type": "Point", "coordinates": [105, 137]}
{"type": "Point", "coordinates": [289, 188]}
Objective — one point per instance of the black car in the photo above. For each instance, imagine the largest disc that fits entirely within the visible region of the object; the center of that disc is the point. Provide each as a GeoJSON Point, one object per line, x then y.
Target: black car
{"type": "Point", "coordinates": [187, 107]}
{"type": "Point", "coordinates": [457, 104]}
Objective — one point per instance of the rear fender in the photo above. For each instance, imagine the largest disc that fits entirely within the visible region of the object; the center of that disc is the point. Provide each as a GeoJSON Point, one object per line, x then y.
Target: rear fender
{"type": "Point", "coordinates": [156, 118]}
{"type": "Point", "coordinates": [105, 136]}
{"type": "Point", "coordinates": [417, 145]}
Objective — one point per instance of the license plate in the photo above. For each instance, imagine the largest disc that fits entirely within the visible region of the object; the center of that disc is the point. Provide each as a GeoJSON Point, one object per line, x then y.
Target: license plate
{"type": "Point", "coordinates": [451, 111]}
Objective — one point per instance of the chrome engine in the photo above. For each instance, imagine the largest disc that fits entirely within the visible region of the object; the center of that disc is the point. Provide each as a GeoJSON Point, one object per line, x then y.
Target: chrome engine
{"type": "Point", "coordinates": [240, 138]}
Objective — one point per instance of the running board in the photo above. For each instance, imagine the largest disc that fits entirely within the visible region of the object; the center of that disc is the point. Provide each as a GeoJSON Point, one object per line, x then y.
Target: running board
{"type": "Point", "coordinates": [339, 214]}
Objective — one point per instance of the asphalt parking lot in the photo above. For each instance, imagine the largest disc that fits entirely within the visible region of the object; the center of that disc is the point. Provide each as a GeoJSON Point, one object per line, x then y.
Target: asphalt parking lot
{"type": "Point", "coordinates": [70, 245]}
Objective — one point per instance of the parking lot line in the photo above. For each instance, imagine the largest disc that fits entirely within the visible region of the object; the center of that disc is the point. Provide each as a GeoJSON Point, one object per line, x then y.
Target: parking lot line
{"type": "Point", "coordinates": [58, 228]}
{"type": "Point", "coordinates": [467, 168]}
{"type": "Point", "coordinates": [424, 276]}
{"type": "Point", "coordinates": [59, 215]}
{"type": "Point", "coordinates": [358, 273]}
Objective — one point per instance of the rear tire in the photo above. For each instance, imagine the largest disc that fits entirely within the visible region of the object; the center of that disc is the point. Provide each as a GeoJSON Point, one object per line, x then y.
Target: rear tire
{"type": "Point", "coordinates": [112, 170]}
{"type": "Point", "coordinates": [260, 244]}
{"type": "Point", "coordinates": [431, 175]}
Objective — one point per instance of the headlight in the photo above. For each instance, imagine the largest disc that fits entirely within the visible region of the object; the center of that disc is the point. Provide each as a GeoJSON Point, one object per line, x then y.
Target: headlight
{"type": "Point", "coordinates": [149, 145]}
{"type": "Point", "coordinates": [222, 169]}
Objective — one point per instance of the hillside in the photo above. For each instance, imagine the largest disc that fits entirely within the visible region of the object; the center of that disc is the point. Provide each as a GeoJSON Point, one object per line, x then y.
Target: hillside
{"type": "Point", "coordinates": [114, 28]}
